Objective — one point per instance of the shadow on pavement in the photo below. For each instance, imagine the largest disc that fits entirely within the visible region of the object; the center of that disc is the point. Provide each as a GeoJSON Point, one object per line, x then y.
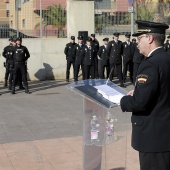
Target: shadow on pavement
{"type": "Point", "coordinates": [35, 86]}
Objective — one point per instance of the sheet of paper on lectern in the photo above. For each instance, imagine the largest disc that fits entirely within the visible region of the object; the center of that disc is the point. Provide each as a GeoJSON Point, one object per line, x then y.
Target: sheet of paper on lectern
{"type": "Point", "coordinates": [109, 93]}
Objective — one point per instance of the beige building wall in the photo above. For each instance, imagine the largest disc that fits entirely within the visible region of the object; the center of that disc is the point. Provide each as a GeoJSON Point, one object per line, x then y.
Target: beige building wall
{"type": "Point", "coordinates": [3, 12]}
{"type": "Point", "coordinates": [27, 18]}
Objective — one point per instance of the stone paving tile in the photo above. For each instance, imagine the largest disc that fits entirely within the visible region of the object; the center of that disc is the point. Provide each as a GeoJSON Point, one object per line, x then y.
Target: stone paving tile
{"type": "Point", "coordinates": [62, 154]}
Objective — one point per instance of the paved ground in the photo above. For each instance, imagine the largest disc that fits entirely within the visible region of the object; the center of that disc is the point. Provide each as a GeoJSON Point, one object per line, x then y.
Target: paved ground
{"type": "Point", "coordinates": [43, 131]}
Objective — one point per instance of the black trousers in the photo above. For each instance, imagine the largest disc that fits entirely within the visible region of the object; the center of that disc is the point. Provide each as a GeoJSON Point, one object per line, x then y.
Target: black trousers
{"type": "Point", "coordinates": [96, 75]}
{"type": "Point", "coordinates": [154, 161]}
{"type": "Point", "coordinates": [102, 71]}
{"type": "Point", "coordinates": [118, 68]}
{"type": "Point", "coordinates": [76, 71]}
{"type": "Point", "coordinates": [7, 72]}
{"type": "Point", "coordinates": [135, 71]}
{"type": "Point", "coordinates": [22, 68]}
{"type": "Point", "coordinates": [69, 63]}
{"type": "Point", "coordinates": [89, 70]}
{"type": "Point", "coordinates": [128, 66]}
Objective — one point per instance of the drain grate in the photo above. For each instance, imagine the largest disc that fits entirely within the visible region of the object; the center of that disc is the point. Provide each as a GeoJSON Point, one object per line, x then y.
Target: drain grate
{"type": "Point", "coordinates": [47, 93]}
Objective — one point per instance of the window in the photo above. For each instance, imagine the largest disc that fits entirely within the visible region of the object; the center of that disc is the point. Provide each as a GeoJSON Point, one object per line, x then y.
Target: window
{"type": "Point", "coordinates": [24, 1]}
{"type": "Point", "coordinates": [23, 23]}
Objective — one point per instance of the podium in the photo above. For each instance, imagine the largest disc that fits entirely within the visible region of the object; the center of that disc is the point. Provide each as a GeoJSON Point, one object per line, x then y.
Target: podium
{"type": "Point", "coordinates": [104, 149]}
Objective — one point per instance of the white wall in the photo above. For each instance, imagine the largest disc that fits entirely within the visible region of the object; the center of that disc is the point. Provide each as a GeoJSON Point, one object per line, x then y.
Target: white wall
{"type": "Point", "coordinates": [80, 17]}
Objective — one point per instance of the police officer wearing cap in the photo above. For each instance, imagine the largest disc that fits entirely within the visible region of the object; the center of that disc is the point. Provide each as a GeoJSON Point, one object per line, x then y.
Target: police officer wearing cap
{"type": "Point", "coordinates": [95, 45]}
{"type": "Point", "coordinates": [103, 59]}
{"type": "Point", "coordinates": [115, 50]}
{"type": "Point", "coordinates": [70, 57]}
{"type": "Point", "coordinates": [78, 58]}
{"type": "Point", "coordinates": [88, 59]}
{"type": "Point", "coordinates": [150, 100]}
{"type": "Point", "coordinates": [128, 51]}
{"type": "Point", "coordinates": [167, 44]}
{"type": "Point", "coordinates": [8, 54]}
{"type": "Point", "coordinates": [21, 54]}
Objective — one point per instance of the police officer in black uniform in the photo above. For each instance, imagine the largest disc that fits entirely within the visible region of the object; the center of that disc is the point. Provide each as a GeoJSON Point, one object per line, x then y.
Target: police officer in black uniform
{"type": "Point", "coordinates": [88, 59]}
{"type": "Point", "coordinates": [167, 44]}
{"type": "Point", "coordinates": [95, 45]}
{"type": "Point", "coordinates": [70, 57]}
{"type": "Point", "coordinates": [137, 59]}
{"type": "Point", "coordinates": [78, 58]}
{"type": "Point", "coordinates": [103, 59]}
{"type": "Point", "coordinates": [128, 51]}
{"type": "Point", "coordinates": [115, 50]}
{"type": "Point", "coordinates": [150, 101]}
{"type": "Point", "coordinates": [8, 54]}
{"type": "Point", "coordinates": [21, 54]}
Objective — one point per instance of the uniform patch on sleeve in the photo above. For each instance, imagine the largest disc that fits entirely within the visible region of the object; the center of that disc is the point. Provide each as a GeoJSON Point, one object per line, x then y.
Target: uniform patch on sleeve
{"type": "Point", "coordinates": [142, 78]}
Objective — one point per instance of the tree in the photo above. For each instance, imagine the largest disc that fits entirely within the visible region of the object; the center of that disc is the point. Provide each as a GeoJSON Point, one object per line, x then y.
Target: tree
{"type": "Point", "coordinates": [55, 16]}
{"type": "Point", "coordinates": [102, 21]}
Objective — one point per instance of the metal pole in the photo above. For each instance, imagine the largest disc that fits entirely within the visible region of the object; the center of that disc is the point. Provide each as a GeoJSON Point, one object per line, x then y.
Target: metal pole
{"type": "Point", "coordinates": [132, 21]}
{"type": "Point", "coordinates": [40, 18]}
{"type": "Point", "coordinates": [16, 8]}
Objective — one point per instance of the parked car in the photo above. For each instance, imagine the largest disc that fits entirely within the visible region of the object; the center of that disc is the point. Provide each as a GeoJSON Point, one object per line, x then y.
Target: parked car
{"type": "Point", "coordinates": [9, 32]}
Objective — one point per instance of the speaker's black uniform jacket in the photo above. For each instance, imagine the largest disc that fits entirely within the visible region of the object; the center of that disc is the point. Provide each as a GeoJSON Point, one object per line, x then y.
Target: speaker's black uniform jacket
{"type": "Point", "coordinates": [115, 52]}
{"type": "Point", "coordinates": [167, 46]}
{"type": "Point", "coordinates": [150, 104]}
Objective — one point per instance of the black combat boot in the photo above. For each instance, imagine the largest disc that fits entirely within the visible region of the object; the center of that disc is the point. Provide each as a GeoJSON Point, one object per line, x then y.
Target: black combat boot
{"type": "Point", "coordinates": [27, 90]}
{"type": "Point", "coordinates": [13, 90]}
{"type": "Point", "coordinates": [5, 83]}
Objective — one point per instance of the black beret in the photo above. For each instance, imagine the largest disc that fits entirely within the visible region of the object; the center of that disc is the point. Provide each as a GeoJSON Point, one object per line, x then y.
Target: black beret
{"type": "Point", "coordinates": [106, 39]}
{"type": "Point", "coordinates": [18, 39]}
{"type": "Point", "coordinates": [145, 27]}
{"type": "Point", "coordinates": [116, 34]}
{"type": "Point", "coordinates": [80, 37]}
{"type": "Point", "coordinates": [72, 37]}
{"type": "Point", "coordinates": [127, 35]}
{"type": "Point", "coordinates": [93, 35]}
{"type": "Point", "coordinates": [89, 39]}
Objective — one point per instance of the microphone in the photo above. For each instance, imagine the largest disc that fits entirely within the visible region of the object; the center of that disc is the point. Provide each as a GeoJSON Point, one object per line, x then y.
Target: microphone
{"type": "Point", "coordinates": [109, 75]}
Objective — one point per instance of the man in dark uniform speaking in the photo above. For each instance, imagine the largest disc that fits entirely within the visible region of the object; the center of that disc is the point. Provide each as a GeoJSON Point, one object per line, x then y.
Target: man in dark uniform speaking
{"type": "Point", "coordinates": [21, 54]}
{"type": "Point", "coordinates": [150, 101]}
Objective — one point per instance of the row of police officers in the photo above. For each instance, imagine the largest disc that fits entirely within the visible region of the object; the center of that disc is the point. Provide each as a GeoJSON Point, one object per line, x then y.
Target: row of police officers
{"type": "Point", "coordinates": [94, 59]}
{"type": "Point", "coordinates": [16, 56]}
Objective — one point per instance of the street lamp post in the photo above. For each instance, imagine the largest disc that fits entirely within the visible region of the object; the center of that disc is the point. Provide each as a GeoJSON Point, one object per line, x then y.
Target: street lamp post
{"type": "Point", "coordinates": [17, 20]}
{"type": "Point", "coordinates": [40, 18]}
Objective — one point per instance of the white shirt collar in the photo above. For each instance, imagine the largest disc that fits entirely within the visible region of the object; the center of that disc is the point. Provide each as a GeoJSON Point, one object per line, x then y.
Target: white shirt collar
{"type": "Point", "coordinates": [154, 50]}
